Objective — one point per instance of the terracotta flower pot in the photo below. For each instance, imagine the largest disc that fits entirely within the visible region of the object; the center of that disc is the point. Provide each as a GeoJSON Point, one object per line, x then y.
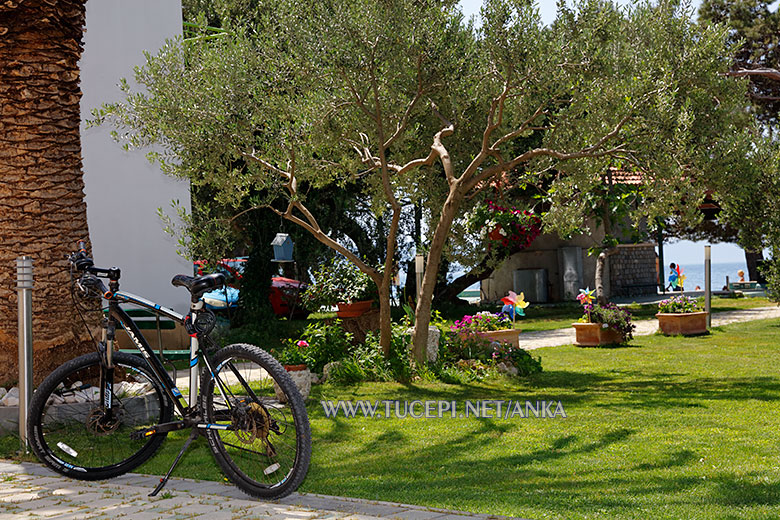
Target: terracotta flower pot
{"type": "Point", "coordinates": [511, 336]}
{"type": "Point", "coordinates": [685, 324]}
{"type": "Point", "coordinates": [354, 309]}
{"type": "Point", "coordinates": [595, 334]}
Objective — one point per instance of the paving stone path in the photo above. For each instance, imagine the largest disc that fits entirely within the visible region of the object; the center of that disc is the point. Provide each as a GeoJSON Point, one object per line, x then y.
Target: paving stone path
{"type": "Point", "coordinates": [30, 490]}
{"type": "Point", "coordinates": [557, 337]}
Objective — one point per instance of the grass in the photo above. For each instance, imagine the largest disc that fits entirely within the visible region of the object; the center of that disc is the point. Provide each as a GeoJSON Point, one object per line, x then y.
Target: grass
{"type": "Point", "coordinates": [562, 315]}
{"type": "Point", "coordinates": [669, 427]}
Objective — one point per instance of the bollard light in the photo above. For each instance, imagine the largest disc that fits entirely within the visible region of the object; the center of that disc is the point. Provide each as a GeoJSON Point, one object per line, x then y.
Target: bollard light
{"type": "Point", "coordinates": [24, 285]}
{"type": "Point", "coordinates": [419, 267]}
{"type": "Point", "coordinates": [708, 283]}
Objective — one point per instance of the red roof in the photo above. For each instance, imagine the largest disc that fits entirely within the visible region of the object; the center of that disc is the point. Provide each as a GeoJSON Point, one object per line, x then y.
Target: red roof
{"type": "Point", "coordinates": [620, 176]}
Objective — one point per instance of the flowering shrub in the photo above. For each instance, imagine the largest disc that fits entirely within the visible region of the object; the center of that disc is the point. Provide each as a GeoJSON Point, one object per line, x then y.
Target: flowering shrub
{"type": "Point", "coordinates": [506, 227]}
{"type": "Point", "coordinates": [524, 362]}
{"type": "Point", "coordinates": [482, 322]}
{"type": "Point", "coordinates": [295, 353]}
{"type": "Point", "coordinates": [679, 304]}
{"type": "Point", "coordinates": [610, 315]}
{"type": "Point", "coordinates": [328, 342]}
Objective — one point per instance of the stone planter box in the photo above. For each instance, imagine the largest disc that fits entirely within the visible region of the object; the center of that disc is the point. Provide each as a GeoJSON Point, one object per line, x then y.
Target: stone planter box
{"type": "Point", "coordinates": [682, 324]}
{"type": "Point", "coordinates": [301, 376]}
{"type": "Point", "coordinates": [354, 309]}
{"type": "Point", "coordinates": [595, 334]}
{"type": "Point", "coordinates": [511, 336]}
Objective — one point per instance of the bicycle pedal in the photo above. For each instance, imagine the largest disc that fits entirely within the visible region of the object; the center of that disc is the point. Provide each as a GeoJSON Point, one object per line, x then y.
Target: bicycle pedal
{"type": "Point", "coordinates": [142, 434]}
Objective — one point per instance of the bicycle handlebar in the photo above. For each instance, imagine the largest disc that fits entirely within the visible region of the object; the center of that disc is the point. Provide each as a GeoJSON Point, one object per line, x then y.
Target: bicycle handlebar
{"type": "Point", "coordinates": [90, 274]}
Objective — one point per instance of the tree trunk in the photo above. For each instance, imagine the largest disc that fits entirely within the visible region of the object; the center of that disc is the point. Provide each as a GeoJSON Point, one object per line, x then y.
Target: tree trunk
{"type": "Point", "coordinates": [385, 318]}
{"type": "Point", "coordinates": [751, 259]}
{"type": "Point", "coordinates": [423, 309]}
{"type": "Point", "coordinates": [42, 209]}
{"type": "Point", "coordinates": [602, 296]}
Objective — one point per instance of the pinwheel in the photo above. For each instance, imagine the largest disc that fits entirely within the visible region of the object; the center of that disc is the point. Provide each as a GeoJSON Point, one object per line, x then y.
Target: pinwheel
{"type": "Point", "coordinates": [680, 278]}
{"type": "Point", "coordinates": [514, 304]}
{"type": "Point", "coordinates": [586, 296]}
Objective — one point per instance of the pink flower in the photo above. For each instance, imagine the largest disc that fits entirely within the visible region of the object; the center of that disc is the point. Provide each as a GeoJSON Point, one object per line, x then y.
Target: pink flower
{"type": "Point", "coordinates": [302, 343]}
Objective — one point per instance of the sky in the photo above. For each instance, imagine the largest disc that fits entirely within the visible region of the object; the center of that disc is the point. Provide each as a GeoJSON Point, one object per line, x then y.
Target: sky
{"type": "Point", "coordinates": [682, 251]}
{"type": "Point", "coordinates": [546, 7]}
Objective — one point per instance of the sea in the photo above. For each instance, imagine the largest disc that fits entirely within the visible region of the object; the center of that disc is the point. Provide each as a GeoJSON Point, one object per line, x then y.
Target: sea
{"type": "Point", "coordinates": [694, 276]}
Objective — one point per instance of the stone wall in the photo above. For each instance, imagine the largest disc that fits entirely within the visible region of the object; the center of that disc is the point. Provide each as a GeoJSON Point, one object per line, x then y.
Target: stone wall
{"type": "Point", "coordinates": [632, 270]}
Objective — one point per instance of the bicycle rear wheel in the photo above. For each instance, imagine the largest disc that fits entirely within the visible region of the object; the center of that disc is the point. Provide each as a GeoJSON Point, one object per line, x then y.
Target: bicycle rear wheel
{"type": "Point", "coordinates": [68, 427]}
{"type": "Point", "coordinates": [262, 444]}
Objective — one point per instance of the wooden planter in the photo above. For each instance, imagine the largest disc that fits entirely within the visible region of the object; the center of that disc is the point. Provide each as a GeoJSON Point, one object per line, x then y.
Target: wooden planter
{"type": "Point", "coordinates": [682, 324]}
{"type": "Point", "coordinates": [595, 334]}
{"type": "Point", "coordinates": [354, 309]}
{"type": "Point", "coordinates": [511, 336]}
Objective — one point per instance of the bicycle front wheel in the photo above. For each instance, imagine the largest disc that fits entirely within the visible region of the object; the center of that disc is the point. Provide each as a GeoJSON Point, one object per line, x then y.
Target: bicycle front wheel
{"type": "Point", "coordinates": [258, 427]}
{"type": "Point", "coordinates": [70, 430]}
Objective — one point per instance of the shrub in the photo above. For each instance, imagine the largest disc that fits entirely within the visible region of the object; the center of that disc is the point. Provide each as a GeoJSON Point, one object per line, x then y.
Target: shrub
{"type": "Point", "coordinates": [482, 322]}
{"type": "Point", "coordinates": [346, 372]}
{"type": "Point", "coordinates": [679, 304]}
{"type": "Point", "coordinates": [456, 346]}
{"type": "Point", "coordinates": [524, 362]}
{"type": "Point", "coordinates": [295, 353]}
{"type": "Point", "coordinates": [327, 341]}
{"type": "Point", "coordinates": [338, 281]}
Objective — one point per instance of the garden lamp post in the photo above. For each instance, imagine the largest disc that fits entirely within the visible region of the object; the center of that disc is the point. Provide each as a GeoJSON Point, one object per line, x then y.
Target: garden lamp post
{"type": "Point", "coordinates": [708, 283]}
{"type": "Point", "coordinates": [419, 267]}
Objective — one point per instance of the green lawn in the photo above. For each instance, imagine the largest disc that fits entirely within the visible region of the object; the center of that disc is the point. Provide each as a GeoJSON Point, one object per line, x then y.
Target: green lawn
{"type": "Point", "coordinates": [562, 316]}
{"type": "Point", "coordinates": [665, 428]}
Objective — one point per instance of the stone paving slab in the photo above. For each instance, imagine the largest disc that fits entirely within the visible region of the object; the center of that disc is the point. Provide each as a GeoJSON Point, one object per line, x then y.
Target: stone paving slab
{"type": "Point", "coordinates": [29, 490]}
{"type": "Point", "coordinates": [558, 337]}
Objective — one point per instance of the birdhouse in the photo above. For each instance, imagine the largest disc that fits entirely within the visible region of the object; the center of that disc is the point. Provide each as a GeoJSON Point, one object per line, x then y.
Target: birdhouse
{"type": "Point", "coordinates": [283, 248]}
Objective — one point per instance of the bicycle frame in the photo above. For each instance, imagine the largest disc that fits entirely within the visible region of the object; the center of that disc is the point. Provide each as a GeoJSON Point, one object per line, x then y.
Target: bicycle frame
{"type": "Point", "coordinates": [117, 316]}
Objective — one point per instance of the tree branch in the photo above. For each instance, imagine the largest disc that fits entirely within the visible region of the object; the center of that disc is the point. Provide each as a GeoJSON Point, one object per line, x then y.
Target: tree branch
{"type": "Point", "coordinates": [773, 74]}
{"type": "Point", "coordinates": [401, 126]}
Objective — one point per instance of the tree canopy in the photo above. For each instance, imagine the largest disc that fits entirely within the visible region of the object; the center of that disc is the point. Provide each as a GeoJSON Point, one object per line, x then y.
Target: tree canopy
{"type": "Point", "coordinates": [755, 30]}
{"type": "Point", "coordinates": [414, 102]}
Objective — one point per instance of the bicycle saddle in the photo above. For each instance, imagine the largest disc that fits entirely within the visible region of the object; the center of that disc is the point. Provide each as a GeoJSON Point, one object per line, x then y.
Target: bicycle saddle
{"type": "Point", "coordinates": [197, 285]}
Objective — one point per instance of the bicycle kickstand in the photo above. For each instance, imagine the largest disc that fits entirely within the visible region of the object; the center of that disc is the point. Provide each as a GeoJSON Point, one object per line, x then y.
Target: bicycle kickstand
{"type": "Point", "coordinates": [194, 435]}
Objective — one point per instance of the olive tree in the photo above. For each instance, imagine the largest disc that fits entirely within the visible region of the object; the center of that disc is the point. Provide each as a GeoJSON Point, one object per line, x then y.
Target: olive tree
{"type": "Point", "coordinates": [414, 102]}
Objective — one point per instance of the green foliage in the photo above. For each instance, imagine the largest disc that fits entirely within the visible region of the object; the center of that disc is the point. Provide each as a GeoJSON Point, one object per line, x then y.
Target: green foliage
{"type": "Point", "coordinates": [365, 362]}
{"type": "Point", "coordinates": [466, 371]}
{"type": "Point", "coordinates": [520, 358]}
{"type": "Point", "coordinates": [295, 353]}
{"type": "Point", "coordinates": [484, 321]}
{"type": "Point", "coordinates": [680, 304]}
{"type": "Point", "coordinates": [327, 93]}
{"type": "Point", "coordinates": [338, 281]}
{"type": "Point", "coordinates": [610, 315]}
{"type": "Point", "coordinates": [398, 365]}
{"type": "Point", "coordinates": [347, 371]}
{"type": "Point", "coordinates": [755, 30]}
{"type": "Point", "coordinates": [327, 341]}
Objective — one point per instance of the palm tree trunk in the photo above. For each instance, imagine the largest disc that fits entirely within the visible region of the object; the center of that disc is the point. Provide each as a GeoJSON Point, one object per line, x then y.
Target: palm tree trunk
{"type": "Point", "coordinates": [42, 209]}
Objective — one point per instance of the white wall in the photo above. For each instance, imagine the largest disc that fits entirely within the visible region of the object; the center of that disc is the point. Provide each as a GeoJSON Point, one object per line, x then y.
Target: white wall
{"type": "Point", "coordinates": [123, 190]}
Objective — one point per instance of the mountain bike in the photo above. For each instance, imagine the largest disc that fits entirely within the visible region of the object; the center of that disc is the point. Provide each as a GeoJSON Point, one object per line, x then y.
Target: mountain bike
{"type": "Point", "coordinates": [104, 413]}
